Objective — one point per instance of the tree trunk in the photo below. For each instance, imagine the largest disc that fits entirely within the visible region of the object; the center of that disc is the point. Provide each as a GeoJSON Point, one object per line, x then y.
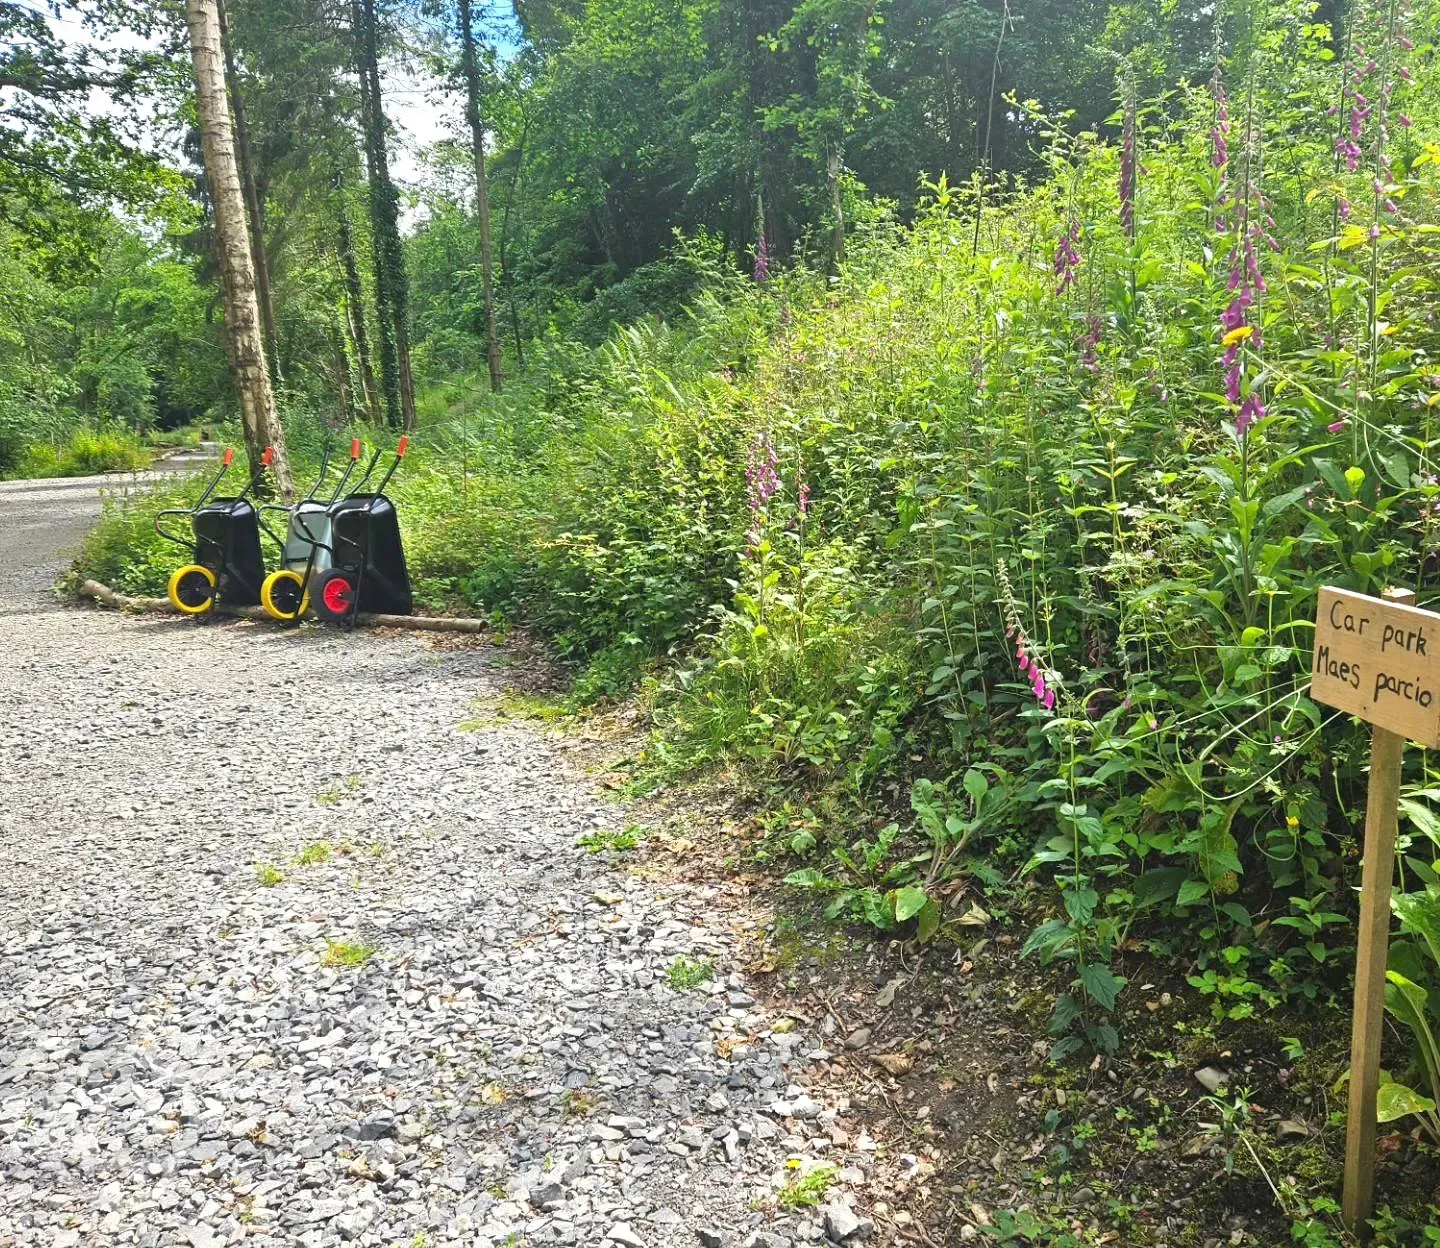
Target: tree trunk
{"type": "Point", "coordinates": [355, 313]}
{"type": "Point", "coordinates": [507, 278]}
{"type": "Point", "coordinates": [482, 194]}
{"type": "Point", "coordinates": [402, 349]}
{"type": "Point", "coordinates": [391, 294]}
{"type": "Point", "coordinates": [253, 201]}
{"type": "Point", "coordinates": [348, 411]}
{"type": "Point", "coordinates": [369, 125]}
{"type": "Point", "coordinates": [258, 413]}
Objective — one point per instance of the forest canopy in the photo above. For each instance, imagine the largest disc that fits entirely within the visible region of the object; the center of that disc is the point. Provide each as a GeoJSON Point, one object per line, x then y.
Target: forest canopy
{"type": "Point", "coordinates": [607, 131]}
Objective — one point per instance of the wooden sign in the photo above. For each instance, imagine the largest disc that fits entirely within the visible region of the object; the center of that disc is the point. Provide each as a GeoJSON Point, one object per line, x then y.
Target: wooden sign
{"type": "Point", "coordinates": [1380, 660]}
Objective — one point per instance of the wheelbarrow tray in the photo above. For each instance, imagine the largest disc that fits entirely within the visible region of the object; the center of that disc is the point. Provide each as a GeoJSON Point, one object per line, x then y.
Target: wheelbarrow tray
{"type": "Point", "coordinates": [365, 533]}
{"type": "Point", "coordinates": [227, 541]}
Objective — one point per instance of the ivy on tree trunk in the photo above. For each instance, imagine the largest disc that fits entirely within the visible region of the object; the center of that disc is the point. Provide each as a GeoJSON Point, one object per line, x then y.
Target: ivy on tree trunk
{"type": "Point", "coordinates": [391, 290]}
{"type": "Point", "coordinates": [355, 309]}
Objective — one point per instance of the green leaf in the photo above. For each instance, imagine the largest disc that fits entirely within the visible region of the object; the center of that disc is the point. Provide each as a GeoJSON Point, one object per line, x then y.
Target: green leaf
{"type": "Point", "coordinates": [1236, 913]}
{"type": "Point", "coordinates": [929, 923]}
{"type": "Point", "coordinates": [1397, 468]}
{"type": "Point", "coordinates": [1192, 891]}
{"type": "Point", "coordinates": [1080, 905]}
{"type": "Point", "coordinates": [876, 909]}
{"type": "Point", "coordinates": [1395, 1100]}
{"type": "Point", "coordinates": [1422, 816]}
{"type": "Point", "coordinates": [1158, 885]}
{"type": "Point", "coordinates": [976, 785]}
{"type": "Point", "coordinates": [1415, 996]}
{"type": "Point", "coordinates": [1102, 984]}
{"type": "Point", "coordinates": [1049, 940]}
{"type": "Point", "coordinates": [909, 902]}
{"type": "Point", "coordinates": [806, 877]}
{"type": "Point", "coordinates": [1419, 914]}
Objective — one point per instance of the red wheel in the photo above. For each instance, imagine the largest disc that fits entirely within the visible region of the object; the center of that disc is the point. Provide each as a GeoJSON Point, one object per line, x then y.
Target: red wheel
{"type": "Point", "coordinates": [335, 595]}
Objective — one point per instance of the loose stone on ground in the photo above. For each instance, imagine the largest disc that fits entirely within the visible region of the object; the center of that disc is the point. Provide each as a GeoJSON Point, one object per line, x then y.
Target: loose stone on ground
{"type": "Point", "coordinates": [436, 1027]}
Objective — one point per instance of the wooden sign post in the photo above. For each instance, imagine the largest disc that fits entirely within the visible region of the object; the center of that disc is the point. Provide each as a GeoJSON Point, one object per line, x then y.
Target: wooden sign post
{"type": "Point", "coordinates": [1379, 659]}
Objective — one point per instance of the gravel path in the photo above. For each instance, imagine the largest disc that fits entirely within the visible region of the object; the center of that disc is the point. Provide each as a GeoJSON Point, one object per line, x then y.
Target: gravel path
{"type": "Point", "coordinates": [433, 1021]}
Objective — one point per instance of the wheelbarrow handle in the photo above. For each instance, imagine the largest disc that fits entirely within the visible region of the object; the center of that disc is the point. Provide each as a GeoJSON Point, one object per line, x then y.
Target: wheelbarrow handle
{"type": "Point", "coordinates": [307, 536]}
{"type": "Point", "coordinates": [390, 472]}
{"type": "Point", "coordinates": [164, 532]}
{"type": "Point", "coordinates": [266, 456]}
{"type": "Point", "coordinates": [225, 461]}
{"type": "Point", "coordinates": [349, 468]}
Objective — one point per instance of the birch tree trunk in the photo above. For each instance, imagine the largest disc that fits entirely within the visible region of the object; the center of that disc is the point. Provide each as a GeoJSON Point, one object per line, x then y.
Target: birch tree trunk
{"type": "Point", "coordinates": [471, 72]}
{"type": "Point", "coordinates": [246, 346]}
{"type": "Point", "coordinates": [254, 201]}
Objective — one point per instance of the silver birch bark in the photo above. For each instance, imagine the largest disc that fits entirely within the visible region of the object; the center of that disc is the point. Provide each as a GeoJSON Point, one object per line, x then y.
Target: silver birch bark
{"type": "Point", "coordinates": [258, 413]}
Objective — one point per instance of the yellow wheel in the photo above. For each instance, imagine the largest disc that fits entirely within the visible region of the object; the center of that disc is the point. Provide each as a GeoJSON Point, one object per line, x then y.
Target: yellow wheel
{"type": "Point", "coordinates": [192, 589]}
{"type": "Point", "coordinates": [283, 596]}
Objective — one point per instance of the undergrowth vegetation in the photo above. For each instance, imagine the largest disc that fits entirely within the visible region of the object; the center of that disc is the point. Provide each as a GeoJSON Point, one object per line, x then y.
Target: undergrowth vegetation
{"type": "Point", "coordinates": [80, 453]}
{"type": "Point", "coordinates": [995, 553]}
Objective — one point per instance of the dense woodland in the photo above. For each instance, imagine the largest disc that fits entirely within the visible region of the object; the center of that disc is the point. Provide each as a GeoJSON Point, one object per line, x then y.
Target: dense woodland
{"type": "Point", "coordinates": [605, 130]}
{"type": "Point", "coordinates": [940, 415]}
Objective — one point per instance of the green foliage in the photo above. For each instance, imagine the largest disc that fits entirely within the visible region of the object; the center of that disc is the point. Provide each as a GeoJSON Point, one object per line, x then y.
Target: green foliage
{"type": "Point", "coordinates": [1412, 998]}
{"type": "Point", "coordinates": [805, 1191]}
{"type": "Point", "coordinates": [89, 363]}
{"type": "Point", "coordinates": [614, 840]}
{"type": "Point", "coordinates": [85, 454]}
{"type": "Point", "coordinates": [124, 551]}
{"type": "Point", "coordinates": [687, 973]}
{"type": "Point", "coordinates": [998, 542]}
{"type": "Point", "coordinates": [347, 954]}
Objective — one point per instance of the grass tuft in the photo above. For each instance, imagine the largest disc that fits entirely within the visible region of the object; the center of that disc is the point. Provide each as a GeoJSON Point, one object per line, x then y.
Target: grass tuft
{"type": "Point", "coordinates": [619, 842]}
{"type": "Point", "coordinates": [805, 1191]}
{"type": "Point", "coordinates": [685, 974]}
{"type": "Point", "coordinates": [344, 953]}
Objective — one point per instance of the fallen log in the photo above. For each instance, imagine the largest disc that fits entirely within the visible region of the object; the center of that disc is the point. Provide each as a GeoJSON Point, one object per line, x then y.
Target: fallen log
{"type": "Point", "coordinates": [422, 623]}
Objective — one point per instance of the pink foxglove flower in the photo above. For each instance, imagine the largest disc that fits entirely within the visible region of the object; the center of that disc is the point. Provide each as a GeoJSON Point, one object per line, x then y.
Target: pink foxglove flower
{"type": "Point", "coordinates": [1129, 164]}
{"type": "Point", "coordinates": [1067, 258]}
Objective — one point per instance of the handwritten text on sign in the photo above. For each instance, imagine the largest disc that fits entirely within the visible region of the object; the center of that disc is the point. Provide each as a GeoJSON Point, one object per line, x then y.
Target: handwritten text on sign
{"type": "Point", "coordinates": [1379, 660]}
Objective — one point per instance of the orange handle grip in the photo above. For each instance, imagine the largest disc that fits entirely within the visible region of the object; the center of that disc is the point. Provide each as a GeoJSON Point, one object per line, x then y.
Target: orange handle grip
{"type": "Point", "coordinates": [267, 457]}
{"type": "Point", "coordinates": [355, 449]}
{"type": "Point", "coordinates": [400, 450]}
{"type": "Point", "coordinates": [229, 456]}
